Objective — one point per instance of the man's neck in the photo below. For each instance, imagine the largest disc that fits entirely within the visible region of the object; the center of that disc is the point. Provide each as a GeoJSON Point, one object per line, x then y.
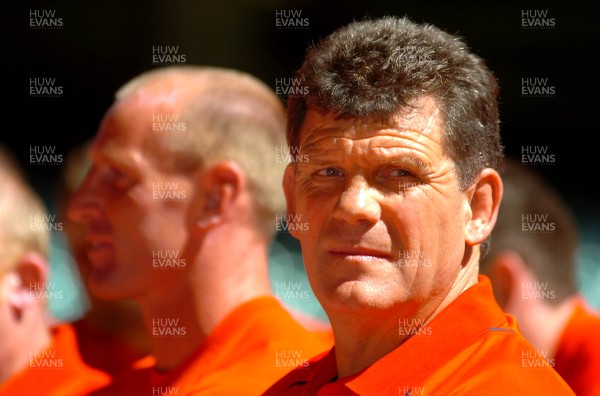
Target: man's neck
{"type": "Point", "coordinates": [180, 319]}
{"type": "Point", "coordinates": [121, 319]}
{"type": "Point", "coordinates": [361, 340]}
{"type": "Point", "coordinates": [33, 334]}
{"type": "Point", "coordinates": [552, 318]}
{"type": "Point", "coordinates": [175, 332]}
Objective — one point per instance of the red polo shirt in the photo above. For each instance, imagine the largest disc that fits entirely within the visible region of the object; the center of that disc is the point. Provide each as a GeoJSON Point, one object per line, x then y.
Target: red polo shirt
{"type": "Point", "coordinates": [56, 371]}
{"type": "Point", "coordinates": [578, 353]}
{"type": "Point", "coordinates": [102, 350]}
{"type": "Point", "coordinates": [249, 350]}
{"type": "Point", "coordinates": [470, 348]}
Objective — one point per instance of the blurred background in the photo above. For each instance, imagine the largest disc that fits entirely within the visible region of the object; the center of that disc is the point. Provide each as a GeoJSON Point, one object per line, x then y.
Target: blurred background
{"type": "Point", "coordinates": [543, 53]}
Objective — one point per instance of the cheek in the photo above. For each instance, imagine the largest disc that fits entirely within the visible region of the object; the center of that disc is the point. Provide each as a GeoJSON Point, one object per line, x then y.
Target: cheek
{"type": "Point", "coordinates": [449, 238]}
{"type": "Point", "coordinates": [452, 220]}
{"type": "Point", "coordinates": [412, 219]}
{"type": "Point", "coordinates": [132, 214]}
{"type": "Point", "coordinates": [313, 212]}
{"type": "Point", "coordinates": [443, 215]}
{"type": "Point", "coordinates": [425, 226]}
{"type": "Point", "coordinates": [128, 204]}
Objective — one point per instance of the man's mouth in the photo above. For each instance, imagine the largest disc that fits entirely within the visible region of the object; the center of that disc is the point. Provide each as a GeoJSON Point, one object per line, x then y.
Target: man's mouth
{"type": "Point", "coordinates": [359, 252]}
{"type": "Point", "coordinates": [100, 251]}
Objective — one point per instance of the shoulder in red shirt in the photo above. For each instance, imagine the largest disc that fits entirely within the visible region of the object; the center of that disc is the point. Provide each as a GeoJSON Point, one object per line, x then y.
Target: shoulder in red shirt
{"type": "Point", "coordinates": [578, 352]}
{"type": "Point", "coordinates": [470, 348]}
{"type": "Point", "coordinates": [56, 371]}
{"type": "Point", "coordinates": [249, 350]}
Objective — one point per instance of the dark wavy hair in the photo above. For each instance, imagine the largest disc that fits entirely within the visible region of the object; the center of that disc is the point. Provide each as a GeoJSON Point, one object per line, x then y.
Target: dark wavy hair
{"type": "Point", "coordinates": [371, 69]}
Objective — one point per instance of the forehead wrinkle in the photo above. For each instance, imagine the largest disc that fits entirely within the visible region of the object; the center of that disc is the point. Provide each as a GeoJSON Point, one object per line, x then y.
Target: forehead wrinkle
{"type": "Point", "coordinates": [372, 155]}
{"type": "Point", "coordinates": [416, 129]}
{"type": "Point", "coordinates": [377, 143]}
{"type": "Point", "coordinates": [417, 123]}
{"type": "Point", "coordinates": [316, 135]}
{"type": "Point", "coordinates": [375, 136]}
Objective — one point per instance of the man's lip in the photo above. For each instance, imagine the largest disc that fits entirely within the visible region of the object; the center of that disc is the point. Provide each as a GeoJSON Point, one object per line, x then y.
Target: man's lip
{"type": "Point", "coordinates": [98, 241]}
{"type": "Point", "coordinates": [99, 244]}
{"type": "Point", "coordinates": [96, 235]}
{"type": "Point", "coordinates": [99, 252]}
{"type": "Point", "coordinates": [359, 251]}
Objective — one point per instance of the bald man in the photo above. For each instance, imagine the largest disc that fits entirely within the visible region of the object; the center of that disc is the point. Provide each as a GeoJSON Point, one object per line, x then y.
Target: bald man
{"type": "Point", "coordinates": [36, 354]}
{"type": "Point", "coordinates": [179, 209]}
{"type": "Point", "coordinates": [111, 335]}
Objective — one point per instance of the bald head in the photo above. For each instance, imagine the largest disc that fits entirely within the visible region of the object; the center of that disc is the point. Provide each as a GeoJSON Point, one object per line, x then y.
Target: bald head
{"type": "Point", "coordinates": [181, 85]}
{"type": "Point", "coordinates": [205, 115]}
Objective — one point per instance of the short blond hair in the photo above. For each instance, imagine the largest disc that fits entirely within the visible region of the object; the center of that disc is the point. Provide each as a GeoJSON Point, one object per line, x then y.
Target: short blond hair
{"type": "Point", "coordinates": [229, 115]}
{"type": "Point", "coordinates": [21, 210]}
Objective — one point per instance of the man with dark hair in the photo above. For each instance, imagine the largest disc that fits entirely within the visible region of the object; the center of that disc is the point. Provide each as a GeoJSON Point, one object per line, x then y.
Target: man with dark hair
{"type": "Point", "coordinates": [179, 210]}
{"type": "Point", "coordinates": [401, 191]}
{"type": "Point", "coordinates": [532, 265]}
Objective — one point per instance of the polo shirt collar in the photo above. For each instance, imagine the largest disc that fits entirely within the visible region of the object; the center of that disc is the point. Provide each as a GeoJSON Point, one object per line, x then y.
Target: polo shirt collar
{"type": "Point", "coordinates": [471, 315]}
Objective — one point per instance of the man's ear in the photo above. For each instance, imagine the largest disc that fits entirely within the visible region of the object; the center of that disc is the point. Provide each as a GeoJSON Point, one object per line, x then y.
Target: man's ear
{"type": "Point", "coordinates": [484, 201]}
{"type": "Point", "coordinates": [289, 182]}
{"type": "Point", "coordinates": [220, 186]}
{"type": "Point", "coordinates": [27, 281]}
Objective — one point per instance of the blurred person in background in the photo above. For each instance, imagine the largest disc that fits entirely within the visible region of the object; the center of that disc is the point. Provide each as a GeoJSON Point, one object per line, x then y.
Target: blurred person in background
{"type": "Point", "coordinates": [37, 355]}
{"type": "Point", "coordinates": [532, 265]}
{"type": "Point", "coordinates": [179, 211]}
{"type": "Point", "coordinates": [111, 335]}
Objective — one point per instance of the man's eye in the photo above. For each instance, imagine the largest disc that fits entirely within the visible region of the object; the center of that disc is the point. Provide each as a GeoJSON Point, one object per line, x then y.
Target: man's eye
{"type": "Point", "coordinates": [329, 172]}
{"type": "Point", "coordinates": [117, 174]}
{"type": "Point", "coordinates": [400, 173]}
{"type": "Point", "coordinates": [119, 178]}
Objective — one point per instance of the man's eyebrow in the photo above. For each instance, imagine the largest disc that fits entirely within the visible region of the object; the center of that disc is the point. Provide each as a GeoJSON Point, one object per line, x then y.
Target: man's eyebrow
{"type": "Point", "coordinates": [408, 160]}
{"type": "Point", "coordinates": [107, 157]}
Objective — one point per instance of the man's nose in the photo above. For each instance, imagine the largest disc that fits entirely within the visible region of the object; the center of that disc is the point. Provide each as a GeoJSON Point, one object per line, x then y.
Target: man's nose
{"type": "Point", "coordinates": [84, 204]}
{"type": "Point", "coordinates": [358, 202]}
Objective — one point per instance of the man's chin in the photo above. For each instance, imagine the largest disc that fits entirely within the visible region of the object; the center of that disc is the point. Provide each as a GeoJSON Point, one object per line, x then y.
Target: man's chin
{"type": "Point", "coordinates": [104, 284]}
{"type": "Point", "coordinates": [104, 291]}
{"type": "Point", "coordinates": [354, 296]}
